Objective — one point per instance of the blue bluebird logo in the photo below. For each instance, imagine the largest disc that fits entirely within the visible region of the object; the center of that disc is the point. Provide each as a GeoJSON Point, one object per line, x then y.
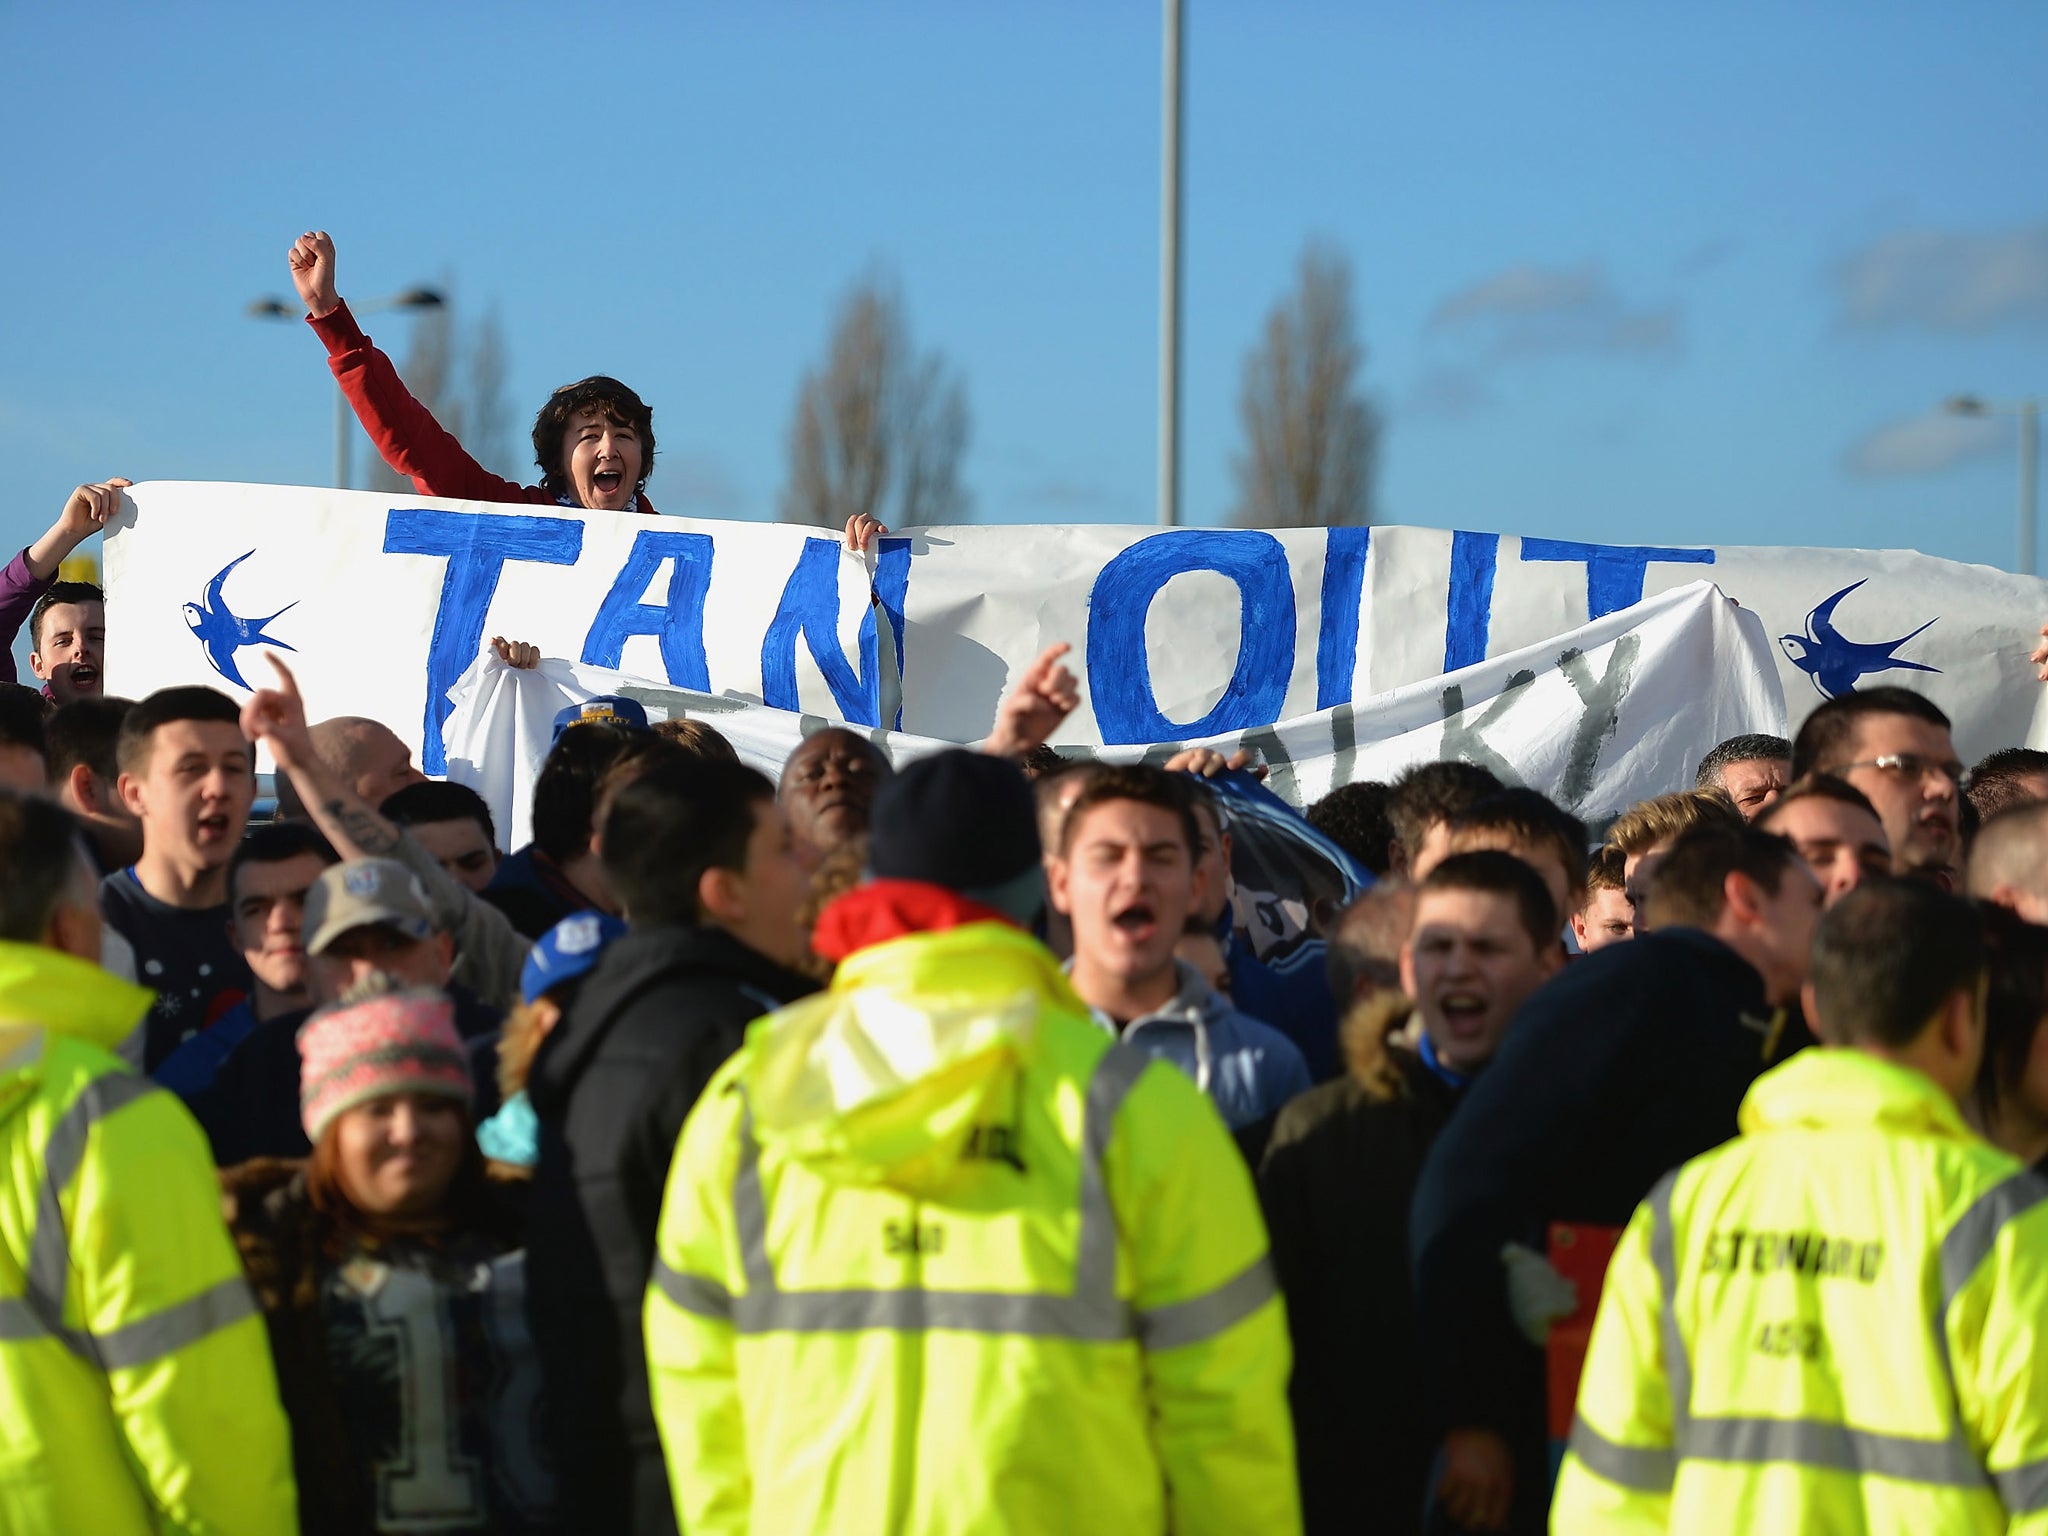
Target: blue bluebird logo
{"type": "Point", "coordinates": [221, 633]}
{"type": "Point", "coordinates": [1834, 662]}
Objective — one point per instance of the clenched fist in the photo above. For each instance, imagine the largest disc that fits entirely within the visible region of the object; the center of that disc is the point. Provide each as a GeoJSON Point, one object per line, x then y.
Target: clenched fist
{"type": "Point", "coordinates": [312, 263]}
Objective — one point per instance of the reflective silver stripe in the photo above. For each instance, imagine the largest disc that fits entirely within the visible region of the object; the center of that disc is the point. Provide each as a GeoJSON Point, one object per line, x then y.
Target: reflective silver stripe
{"type": "Point", "coordinates": [693, 1293]}
{"type": "Point", "coordinates": [1205, 1316]}
{"type": "Point", "coordinates": [39, 1312]}
{"type": "Point", "coordinates": [1969, 1243]}
{"type": "Point", "coordinates": [1975, 1234]}
{"type": "Point", "coordinates": [18, 1320]}
{"type": "Point", "coordinates": [1832, 1447]}
{"type": "Point", "coordinates": [749, 1214]}
{"type": "Point", "coordinates": [2024, 1490]}
{"type": "Point", "coordinates": [1646, 1468]}
{"type": "Point", "coordinates": [915, 1309]}
{"type": "Point", "coordinates": [1116, 1073]}
{"type": "Point", "coordinates": [1091, 1312]}
{"type": "Point", "coordinates": [1664, 1257]}
{"type": "Point", "coordinates": [49, 1254]}
{"type": "Point", "coordinates": [151, 1338]}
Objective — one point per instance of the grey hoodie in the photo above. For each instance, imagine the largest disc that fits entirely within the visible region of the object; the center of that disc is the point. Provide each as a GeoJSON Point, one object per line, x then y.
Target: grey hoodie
{"type": "Point", "coordinates": [1248, 1069]}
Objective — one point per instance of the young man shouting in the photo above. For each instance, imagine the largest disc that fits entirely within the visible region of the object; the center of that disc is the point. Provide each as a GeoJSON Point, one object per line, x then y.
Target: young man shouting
{"type": "Point", "coordinates": [67, 619]}
{"type": "Point", "coordinates": [1340, 1174]}
{"type": "Point", "coordinates": [1127, 879]}
{"type": "Point", "coordinates": [188, 775]}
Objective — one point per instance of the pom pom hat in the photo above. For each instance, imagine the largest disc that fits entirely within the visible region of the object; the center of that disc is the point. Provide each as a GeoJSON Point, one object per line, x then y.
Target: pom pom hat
{"type": "Point", "coordinates": [402, 1042]}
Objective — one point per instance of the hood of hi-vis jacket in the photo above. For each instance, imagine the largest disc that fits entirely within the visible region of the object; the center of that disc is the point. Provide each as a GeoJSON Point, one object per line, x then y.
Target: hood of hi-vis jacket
{"type": "Point", "coordinates": [1823, 1087]}
{"type": "Point", "coordinates": [866, 1087]}
{"type": "Point", "coordinates": [55, 991]}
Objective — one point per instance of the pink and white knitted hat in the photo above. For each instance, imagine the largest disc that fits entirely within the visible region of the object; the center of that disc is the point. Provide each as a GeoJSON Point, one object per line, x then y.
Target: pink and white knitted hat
{"type": "Point", "coordinates": [402, 1042]}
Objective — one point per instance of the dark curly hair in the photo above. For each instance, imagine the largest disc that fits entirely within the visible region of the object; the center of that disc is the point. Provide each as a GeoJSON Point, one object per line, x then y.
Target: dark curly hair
{"type": "Point", "coordinates": [612, 400]}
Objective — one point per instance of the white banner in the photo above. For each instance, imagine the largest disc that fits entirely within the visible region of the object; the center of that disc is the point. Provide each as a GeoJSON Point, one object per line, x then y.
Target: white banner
{"type": "Point", "coordinates": [1180, 634]}
{"type": "Point", "coordinates": [1615, 711]}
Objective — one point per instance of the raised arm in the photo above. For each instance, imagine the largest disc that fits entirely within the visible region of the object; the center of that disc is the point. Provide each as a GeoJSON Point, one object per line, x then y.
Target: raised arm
{"type": "Point", "coordinates": [489, 952]}
{"type": "Point", "coordinates": [29, 574]}
{"type": "Point", "coordinates": [405, 432]}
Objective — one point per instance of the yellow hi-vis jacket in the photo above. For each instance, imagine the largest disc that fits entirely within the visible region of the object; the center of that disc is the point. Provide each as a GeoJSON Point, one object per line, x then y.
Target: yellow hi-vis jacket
{"type": "Point", "coordinates": [1836, 1322]}
{"type": "Point", "coordinates": [937, 1256]}
{"type": "Point", "coordinates": [136, 1389]}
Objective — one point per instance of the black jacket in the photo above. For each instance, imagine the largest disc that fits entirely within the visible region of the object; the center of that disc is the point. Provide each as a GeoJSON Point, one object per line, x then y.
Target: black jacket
{"type": "Point", "coordinates": [1336, 1184]}
{"type": "Point", "coordinates": [251, 1108]}
{"type": "Point", "coordinates": [1633, 1060]}
{"type": "Point", "coordinates": [611, 1087]}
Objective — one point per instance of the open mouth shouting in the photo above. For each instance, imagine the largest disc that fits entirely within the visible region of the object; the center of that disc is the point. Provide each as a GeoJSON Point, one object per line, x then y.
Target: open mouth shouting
{"type": "Point", "coordinates": [1464, 1013]}
{"type": "Point", "coordinates": [215, 828]}
{"type": "Point", "coordinates": [607, 482]}
{"type": "Point", "coordinates": [1138, 922]}
{"type": "Point", "coordinates": [84, 677]}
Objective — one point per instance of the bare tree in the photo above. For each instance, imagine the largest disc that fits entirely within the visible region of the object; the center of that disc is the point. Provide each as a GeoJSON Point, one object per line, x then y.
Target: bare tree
{"type": "Point", "coordinates": [1312, 441]}
{"type": "Point", "coordinates": [879, 429]}
{"type": "Point", "coordinates": [459, 375]}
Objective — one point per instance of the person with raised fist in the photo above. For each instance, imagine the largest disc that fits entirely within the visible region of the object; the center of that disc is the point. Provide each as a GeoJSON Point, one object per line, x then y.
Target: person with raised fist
{"type": "Point", "coordinates": [593, 441]}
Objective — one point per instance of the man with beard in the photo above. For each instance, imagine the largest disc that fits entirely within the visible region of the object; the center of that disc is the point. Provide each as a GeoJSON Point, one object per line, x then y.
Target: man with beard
{"type": "Point", "coordinates": [1894, 746]}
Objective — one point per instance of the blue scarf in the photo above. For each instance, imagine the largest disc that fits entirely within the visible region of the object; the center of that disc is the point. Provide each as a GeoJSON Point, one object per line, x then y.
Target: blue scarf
{"type": "Point", "coordinates": [1457, 1080]}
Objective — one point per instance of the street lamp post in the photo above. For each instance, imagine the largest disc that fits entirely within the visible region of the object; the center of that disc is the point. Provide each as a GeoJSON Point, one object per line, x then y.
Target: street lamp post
{"type": "Point", "coordinates": [2028, 412]}
{"type": "Point", "coordinates": [277, 309]}
{"type": "Point", "coordinates": [1172, 95]}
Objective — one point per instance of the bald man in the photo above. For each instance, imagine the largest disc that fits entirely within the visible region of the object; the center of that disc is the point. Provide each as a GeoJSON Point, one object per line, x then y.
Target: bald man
{"type": "Point", "coordinates": [2009, 861]}
{"type": "Point", "coordinates": [366, 754]}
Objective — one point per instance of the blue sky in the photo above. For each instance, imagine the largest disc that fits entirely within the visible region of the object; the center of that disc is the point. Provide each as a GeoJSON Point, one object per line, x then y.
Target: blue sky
{"type": "Point", "coordinates": [1631, 273]}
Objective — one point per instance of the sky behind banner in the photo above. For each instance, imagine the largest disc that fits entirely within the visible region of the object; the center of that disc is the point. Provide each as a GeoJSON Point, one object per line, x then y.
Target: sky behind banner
{"type": "Point", "coordinates": [1626, 274]}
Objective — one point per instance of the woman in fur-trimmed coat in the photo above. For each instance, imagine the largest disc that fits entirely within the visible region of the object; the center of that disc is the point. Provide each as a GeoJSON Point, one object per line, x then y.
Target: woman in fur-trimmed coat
{"type": "Point", "coordinates": [1336, 1183]}
{"type": "Point", "coordinates": [390, 1272]}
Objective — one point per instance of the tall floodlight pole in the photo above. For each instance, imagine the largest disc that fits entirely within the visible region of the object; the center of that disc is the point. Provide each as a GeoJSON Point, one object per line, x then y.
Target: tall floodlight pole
{"type": "Point", "coordinates": [2028, 412]}
{"type": "Point", "coordinates": [1169, 267]}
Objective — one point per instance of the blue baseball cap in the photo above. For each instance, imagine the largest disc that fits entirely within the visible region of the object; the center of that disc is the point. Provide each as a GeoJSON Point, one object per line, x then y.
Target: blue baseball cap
{"type": "Point", "coordinates": [605, 709]}
{"type": "Point", "coordinates": [566, 951]}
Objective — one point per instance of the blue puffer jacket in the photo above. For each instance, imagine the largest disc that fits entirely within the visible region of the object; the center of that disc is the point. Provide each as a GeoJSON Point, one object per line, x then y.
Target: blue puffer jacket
{"type": "Point", "coordinates": [1247, 1069]}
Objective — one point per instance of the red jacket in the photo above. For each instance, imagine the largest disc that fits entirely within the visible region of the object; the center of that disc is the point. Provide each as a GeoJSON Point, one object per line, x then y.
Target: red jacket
{"type": "Point", "coordinates": [405, 432]}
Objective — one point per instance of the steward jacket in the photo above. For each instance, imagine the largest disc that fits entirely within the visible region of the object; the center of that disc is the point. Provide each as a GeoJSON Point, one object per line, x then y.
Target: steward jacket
{"type": "Point", "coordinates": [136, 1390]}
{"type": "Point", "coordinates": [405, 432]}
{"type": "Point", "coordinates": [1832, 1323]}
{"type": "Point", "coordinates": [939, 1256]}
{"type": "Point", "coordinates": [610, 1087]}
{"type": "Point", "coordinates": [1336, 1183]}
{"type": "Point", "coordinates": [1614, 1072]}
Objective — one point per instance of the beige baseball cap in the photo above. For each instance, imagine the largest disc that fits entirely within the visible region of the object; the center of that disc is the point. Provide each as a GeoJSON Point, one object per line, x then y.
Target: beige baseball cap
{"type": "Point", "coordinates": [365, 893]}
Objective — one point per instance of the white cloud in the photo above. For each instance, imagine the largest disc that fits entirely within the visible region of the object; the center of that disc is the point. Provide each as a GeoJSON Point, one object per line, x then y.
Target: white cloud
{"type": "Point", "coordinates": [1449, 392]}
{"type": "Point", "coordinates": [1920, 445]}
{"type": "Point", "coordinates": [1526, 310]}
{"type": "Point", "coordinates": [1946, 280]}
